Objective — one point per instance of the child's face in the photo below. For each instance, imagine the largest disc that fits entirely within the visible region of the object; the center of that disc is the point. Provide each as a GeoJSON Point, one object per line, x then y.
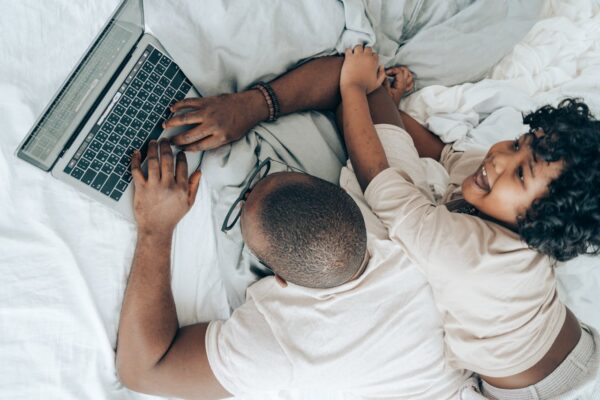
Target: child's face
{"type": "Point", "coordinates": [509, 180]}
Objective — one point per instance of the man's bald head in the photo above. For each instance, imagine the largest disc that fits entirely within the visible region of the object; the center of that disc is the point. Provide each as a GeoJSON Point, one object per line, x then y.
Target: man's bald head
{"type": "Point", "coordinates": [308, 231]}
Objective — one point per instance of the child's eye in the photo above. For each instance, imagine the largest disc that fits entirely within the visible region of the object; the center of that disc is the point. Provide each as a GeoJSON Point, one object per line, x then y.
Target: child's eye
{"type": "Point", "coordinates": [520, 174]}
{"type": "Point", "coordinates": [516, 145]}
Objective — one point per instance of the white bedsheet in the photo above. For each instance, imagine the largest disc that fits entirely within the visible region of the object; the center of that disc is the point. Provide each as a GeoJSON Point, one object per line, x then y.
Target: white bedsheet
{"type": "Point", "coordinates": [64, 259]}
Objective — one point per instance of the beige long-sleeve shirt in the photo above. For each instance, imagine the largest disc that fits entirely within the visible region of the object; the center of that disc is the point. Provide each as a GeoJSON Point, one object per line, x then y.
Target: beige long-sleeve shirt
{"type": "Point", "coordinates": [497, 297]}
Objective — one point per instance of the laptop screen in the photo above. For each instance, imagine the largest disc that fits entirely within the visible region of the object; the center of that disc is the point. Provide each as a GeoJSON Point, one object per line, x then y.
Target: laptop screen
{"type": "Point", "coordinates": [80, 91]}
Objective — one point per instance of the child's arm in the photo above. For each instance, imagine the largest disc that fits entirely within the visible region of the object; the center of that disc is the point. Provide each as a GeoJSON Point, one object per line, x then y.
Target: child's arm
{"type": "Point", "coordinates": [361, 75]}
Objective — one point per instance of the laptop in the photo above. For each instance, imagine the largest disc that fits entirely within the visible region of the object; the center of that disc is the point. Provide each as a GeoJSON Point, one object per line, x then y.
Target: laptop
{"type": "Point", "coordinates": [114, 101]}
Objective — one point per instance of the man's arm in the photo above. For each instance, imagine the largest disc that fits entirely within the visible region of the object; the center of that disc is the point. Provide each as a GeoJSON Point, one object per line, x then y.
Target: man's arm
{"type": "Point", "coordinates": [313, 85]}
{"type": "Point", "coordinates": [154, 355]}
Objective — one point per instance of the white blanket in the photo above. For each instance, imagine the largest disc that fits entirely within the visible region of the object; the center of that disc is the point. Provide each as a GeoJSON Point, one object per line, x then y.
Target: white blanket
{"type": "Point", "coordinates": [65, 259]}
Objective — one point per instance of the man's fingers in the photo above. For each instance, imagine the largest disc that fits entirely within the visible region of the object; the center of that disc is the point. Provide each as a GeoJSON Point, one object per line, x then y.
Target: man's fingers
{"type": "Point", "coordinates": [136, 172]}
{"type": "Point", "coordinates": [152, 158]}
{"type": "Point", "coordinates": [194, 183]}
{"type": "Point", "coordinates": [190, 102]}
{"type": "Point", "coordinates": [191, 136]}
{"type": "Point", "coordinates": [181, 169]}
{"type": "Point", "coordinates": [393, 71]}
{"type": "Point", "coordinates": [166, 161]}
{"type": "Point", "coordinates": [186, 118]}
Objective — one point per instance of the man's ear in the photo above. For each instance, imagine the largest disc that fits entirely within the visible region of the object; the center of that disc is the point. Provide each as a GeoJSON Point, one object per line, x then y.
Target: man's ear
{"type": "Point", "coordinates": [282, 282]}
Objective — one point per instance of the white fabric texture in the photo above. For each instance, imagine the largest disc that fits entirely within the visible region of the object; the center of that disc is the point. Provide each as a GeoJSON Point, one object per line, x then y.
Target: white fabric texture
{"type": "Point", "coordinates": [65, 259]}
{"type": "Point", "coordinates": [367, 339]}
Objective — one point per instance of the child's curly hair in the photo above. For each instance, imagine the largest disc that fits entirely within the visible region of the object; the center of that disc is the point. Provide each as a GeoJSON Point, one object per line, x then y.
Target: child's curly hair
{"type": "Point", "coordinates": [566, 222]}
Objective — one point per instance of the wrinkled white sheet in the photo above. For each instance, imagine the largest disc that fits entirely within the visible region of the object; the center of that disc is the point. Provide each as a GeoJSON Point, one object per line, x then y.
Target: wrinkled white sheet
{"type": "Point", "coordinates": [558, 58]}
{"type": "Point", "coordinates": [64, 259]}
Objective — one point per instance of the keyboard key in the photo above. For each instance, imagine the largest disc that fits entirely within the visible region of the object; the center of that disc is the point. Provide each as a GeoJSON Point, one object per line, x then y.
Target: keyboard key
{"type": "Point", "coordinates": [149, 125]}
{"type": "Point", "coordinates": [130, 133]}
{"type": "Point", "coordinates": [131, 90]}
{"type": "Point", "coordinates": [124, 142]}
{"type": "Point", "coordinates": [154, 77]}
{"type": "Point", "coordinates": [120, 169]}
{"type": "Point", "coordinates": [137, 143]}
{"type": "Point", "coordinates": [106, 168]}
{"type": "Point", "coordinates": [165, 101]}
{"type": "Point", "coordinates": [83, 163]}
{"type": "Point", "coordinates": [143, 95]}
{"type": "Point", "coordinates": [136, 84]}
{"type": "Point", "coordinates": [102, 136]}
{"type": "Point", "coordinates": [125, 101]}
{"type": "Point", "coordinates": [89, 154]}
{"type": "Point", "coordinates": [122, 185]}
{"type": "Point", "coordinates": [148, 86]}
{"type": "Point", "coordinates": [77, 173]}
{"type": "Point", "coordinates": [148, 107]}
{"type": "Point", "coordinates": [107, 127]}
{"type": "Point", "coordinates": [136, 124]}
{"type": "Point", "coordinates": [102, 156]}
{"type": "Point", "coordinates": [158, 90]}
{"type": "Point", "coordinates": [125, 120]}
{"type": "Point", "coordinates": [96, 165]}
{"type": "Point", "coordinates": [114, 138]}
{"type": "Point", "coordinates": [186, 86]}
{"type": "Point", "coordinates": [113, 159]}
{"type": "Point", "coordinates": [154, 117]}
{"type": "Point", "coordinates": [110, 184]}
{"type": "Point", "coordinates": [165, 61]}
{"type": "Point", "coordinates": [152, 99]}
{"type": "Point", "coordinates": [116, 195]}
{"type": "Point", "coordinates": [125, 159]}
{"type": "Point", "coordinates": [160, 69]}
{"type": "Point", "coordinates": [135, 105]}
{"type": "Point", "coordinates": [147, 68]}
{"type": "Point", "coordinates": [119, 150]}
{"type": "Point", "coordinates": [142, 76]}
{"type": "Point", "coordinates": [127, 176]}
{"type": "Point", "coordinates": [88, 177]}
{"type": "Point", "coordinates": [164, 82]}
{"type": "Point", "coordinates": [120, 129]}
{"type": "Point", "coordinates": [171, 71]}
{"type": "Point", "coordinates": [180, 95]}
{"type": "Point", "coordinates": [99, 181]}
{"type": "Point", "coordinates": [108, 147]}
{"type": "Point", "coordinates": [176, 82]}
{"type": "Point", "coordinates": [170, 92]}
{"type": "Point", "coordinates": [154, 57]}
{"type": "Point", "coordinates": [95, 145]}
{"type": "Point", "coordinates": [142, 115]}
{"type": "Point", "coordinates": [119, 110]}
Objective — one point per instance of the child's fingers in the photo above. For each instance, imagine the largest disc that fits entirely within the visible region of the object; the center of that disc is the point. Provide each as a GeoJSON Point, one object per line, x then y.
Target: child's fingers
{"type": "Point", "coordinates": [358, 49]}
{"type": "Point", "coordinates": [381, 76]}
{"type": "Point", "coordinates": [348, 52]}
{"type": "Point", "coordinates": [393, 71]}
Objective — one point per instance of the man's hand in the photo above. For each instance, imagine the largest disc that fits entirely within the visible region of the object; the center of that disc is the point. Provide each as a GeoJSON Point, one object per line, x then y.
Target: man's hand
{"type": "Point", "coordinates": [361, 70]}
{"type": "Point", "coordinates": [219, 120]}
{"type": "Point", "coordinates": [163, 198]}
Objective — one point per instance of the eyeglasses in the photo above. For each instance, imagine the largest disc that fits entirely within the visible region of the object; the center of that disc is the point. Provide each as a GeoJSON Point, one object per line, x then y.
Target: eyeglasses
{"type": "Point", "coordinates": [261, 170]}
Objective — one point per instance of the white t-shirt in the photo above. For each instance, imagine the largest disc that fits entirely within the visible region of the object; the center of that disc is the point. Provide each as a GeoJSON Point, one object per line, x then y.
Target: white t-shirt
{"type": "Point", "coordinates": [497, 297]}
{"type": "Point", "coordinates": [376, 337]}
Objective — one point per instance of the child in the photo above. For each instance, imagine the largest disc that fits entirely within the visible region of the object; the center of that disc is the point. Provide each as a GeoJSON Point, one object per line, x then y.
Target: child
{"type": "Point", "coordinates": [489, 262]}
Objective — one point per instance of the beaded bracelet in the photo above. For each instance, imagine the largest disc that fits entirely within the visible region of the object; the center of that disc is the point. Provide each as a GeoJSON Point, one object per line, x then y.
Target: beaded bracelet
{"type": "Point", "coordinates": [271, 99]}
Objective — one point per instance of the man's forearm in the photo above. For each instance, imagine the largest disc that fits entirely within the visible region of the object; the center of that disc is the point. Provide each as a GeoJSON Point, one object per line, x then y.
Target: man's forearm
{"type": "Point", "coordinates": [148, 318]}
{"type": "Point", "coordinates": [314, 85]}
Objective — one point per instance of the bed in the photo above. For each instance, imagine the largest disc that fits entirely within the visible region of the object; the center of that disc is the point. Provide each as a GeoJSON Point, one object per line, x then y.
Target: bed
{"type": "Point", "coordinates": [65, 259]}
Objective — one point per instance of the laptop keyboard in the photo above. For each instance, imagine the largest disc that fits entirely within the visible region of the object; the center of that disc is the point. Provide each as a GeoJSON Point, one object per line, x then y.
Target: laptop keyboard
{"type": "Point", "coordinates": [132, 119]}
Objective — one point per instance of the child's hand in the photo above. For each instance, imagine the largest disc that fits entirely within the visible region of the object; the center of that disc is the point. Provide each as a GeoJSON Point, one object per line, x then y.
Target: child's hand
{"type": "Point", "coordinates": [361, 69]}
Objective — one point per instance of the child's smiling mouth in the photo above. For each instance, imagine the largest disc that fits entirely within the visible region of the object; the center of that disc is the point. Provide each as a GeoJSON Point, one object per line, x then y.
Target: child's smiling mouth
{"type": "Point", "coordinates": [481, 180]}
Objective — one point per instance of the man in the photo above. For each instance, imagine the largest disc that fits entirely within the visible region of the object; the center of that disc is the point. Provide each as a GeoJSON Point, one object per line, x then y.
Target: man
{"type": "Point", "coordinates": [334, 321]}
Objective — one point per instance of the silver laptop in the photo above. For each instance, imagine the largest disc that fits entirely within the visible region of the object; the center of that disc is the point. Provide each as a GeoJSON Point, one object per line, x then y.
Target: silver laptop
{"type": "Point", "coordinates": [115, 100]}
